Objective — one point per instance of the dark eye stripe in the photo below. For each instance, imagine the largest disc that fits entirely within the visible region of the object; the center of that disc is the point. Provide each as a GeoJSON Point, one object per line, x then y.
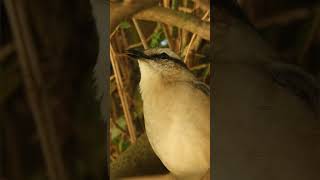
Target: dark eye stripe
{"type": "Point", "coordinates": [166, 56]}
{"type": "Point", "coordinates": [160, 56]}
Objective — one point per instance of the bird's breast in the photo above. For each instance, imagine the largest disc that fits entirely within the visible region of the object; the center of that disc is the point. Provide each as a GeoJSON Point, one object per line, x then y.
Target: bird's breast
{"type": "Point", "coordinates": [177, 123]}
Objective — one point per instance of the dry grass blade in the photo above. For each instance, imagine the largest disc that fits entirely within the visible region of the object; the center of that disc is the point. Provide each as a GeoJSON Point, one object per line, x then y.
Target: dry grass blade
{"type": "Point", "coordinates": [122, 95]}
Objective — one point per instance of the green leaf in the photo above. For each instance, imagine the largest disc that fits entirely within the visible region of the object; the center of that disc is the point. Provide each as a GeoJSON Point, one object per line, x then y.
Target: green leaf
{"type": "Point", "coordinates": [155, 39]}
{"type": "Point", "coordinates": [115, 132]}
{"type": "Point", "coordinates": [124, 25]}
{"type": "Point", "coordinates": [122, 122]}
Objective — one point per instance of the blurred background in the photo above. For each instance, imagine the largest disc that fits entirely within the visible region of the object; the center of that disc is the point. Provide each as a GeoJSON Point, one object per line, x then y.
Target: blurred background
{"type": "Point", "coordinates": [291, 27]}
{"type": "Point", "coordinates": [49, 120]}
{"type": "Point", "coordinates": [126, 117]}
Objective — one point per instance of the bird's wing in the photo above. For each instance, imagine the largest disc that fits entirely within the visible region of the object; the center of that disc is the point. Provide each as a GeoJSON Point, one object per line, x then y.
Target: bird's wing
{"type": "Point", "coordinates": [202, 87]}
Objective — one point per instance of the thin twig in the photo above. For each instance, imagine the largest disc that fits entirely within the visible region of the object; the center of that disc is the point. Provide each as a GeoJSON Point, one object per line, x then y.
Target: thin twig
{"type": "Point", "coordinates": [140, 33]}
{"type": "Point", "coordinates": [156, 29]}
{"type": "Point", "coordinates": [199, 67]}
{"type": "Point", "coordinates": [184, 34]}
{"type": "Point", "coordinates": [114, 32]}
{"type": "Point", "coordinates": [188, 49]}
{"type": "Point", "coordinates": [192, 40]}
{"type": "Point", "coordinates": [166, 3]}
{"type": "Point", "coordinates": [166, 29]}
{"type": "Point", "coordinates": [122, 95]}
{"type": "Point", "coordinates": [167, 34]}
{"type": "Point", "coordinates": [185, 9]}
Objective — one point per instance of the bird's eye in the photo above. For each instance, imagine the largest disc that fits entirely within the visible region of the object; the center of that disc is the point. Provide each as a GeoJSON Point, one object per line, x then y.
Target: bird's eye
{"type": "Point", "coordinates": [164, 56]}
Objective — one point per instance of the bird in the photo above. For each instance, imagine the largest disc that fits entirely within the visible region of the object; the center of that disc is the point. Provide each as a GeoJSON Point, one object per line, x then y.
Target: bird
{"type": "Point", "coordinates": [176, 108]}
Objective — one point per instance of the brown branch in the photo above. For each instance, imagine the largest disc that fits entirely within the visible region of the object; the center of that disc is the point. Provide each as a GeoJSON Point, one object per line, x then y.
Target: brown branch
{"type": "Point", "coordinates": [178, 19]}
{"type": "Point", "coordinates": [122, 95]}
{"type": "Point", "coordinates": [124, 10]}
{"type": "Point", "coordinates": [139, 159]}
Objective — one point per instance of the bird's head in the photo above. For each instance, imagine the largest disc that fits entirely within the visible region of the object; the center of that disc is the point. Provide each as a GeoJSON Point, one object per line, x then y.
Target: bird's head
{"type": "Point", "coordinates": [160, 61]}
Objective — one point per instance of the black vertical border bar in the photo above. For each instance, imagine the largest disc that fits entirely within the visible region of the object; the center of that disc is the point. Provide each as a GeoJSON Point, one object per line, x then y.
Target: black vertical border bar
{"type": "Point", "coordinates": [1, 125]}
{"type": "Point", "coordinates": [1, 21]}
{"type": "Point", "coordinates": [213, 143]}
{"type": "Point", "coordinates": [107, 58]}
{"type": "Point", "coordinates": [101, 11]}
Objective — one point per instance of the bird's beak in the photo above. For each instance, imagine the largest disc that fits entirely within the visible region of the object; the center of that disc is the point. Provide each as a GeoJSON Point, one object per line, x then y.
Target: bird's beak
{"type": "Point", "coordinates": [135, 54]}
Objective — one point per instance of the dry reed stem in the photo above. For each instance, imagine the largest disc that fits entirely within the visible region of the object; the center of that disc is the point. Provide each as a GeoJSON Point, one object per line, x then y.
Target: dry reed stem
{"type": "Point", "coordinates": [166, 3]}
{"type": "Point", "coordinates": [166, 28]}
{"type": "Point", "coordinates": [185, 10]}
{"type": "Point", "coordinates": [142, 38]}
{"type": "Point", "coordinates": [156, 29]}
{"type": "Point", "coordinates": [198, 67]}
{"type": "Point", "coordinates": [122, 95]}
{"type": "Point", "coordinates": [114, 32]}
{"type": "Point", "coordinates": [193, 38]}
{"type": "Point", "coordinates": [168, 36]}
{"type": "Point", "coordinates": [184, 34]}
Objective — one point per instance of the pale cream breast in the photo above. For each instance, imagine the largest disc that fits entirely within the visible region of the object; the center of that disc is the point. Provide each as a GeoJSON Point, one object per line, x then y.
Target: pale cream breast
{"type": "Point", "coordinates": [177, 125]}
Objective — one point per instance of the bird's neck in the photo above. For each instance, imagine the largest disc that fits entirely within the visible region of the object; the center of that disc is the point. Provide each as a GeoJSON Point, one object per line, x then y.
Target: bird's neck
{"type": "Point", "coordinates": [151, 84]}
{"type": "Point", "coordinates": [155, 83]}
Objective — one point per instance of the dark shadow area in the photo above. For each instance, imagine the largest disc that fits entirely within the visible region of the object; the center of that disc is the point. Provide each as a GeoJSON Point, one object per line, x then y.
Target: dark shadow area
{"type": "Point", "coordinates": [266, 90]}
{"type": "Point", "coordinates": [49, 118]}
